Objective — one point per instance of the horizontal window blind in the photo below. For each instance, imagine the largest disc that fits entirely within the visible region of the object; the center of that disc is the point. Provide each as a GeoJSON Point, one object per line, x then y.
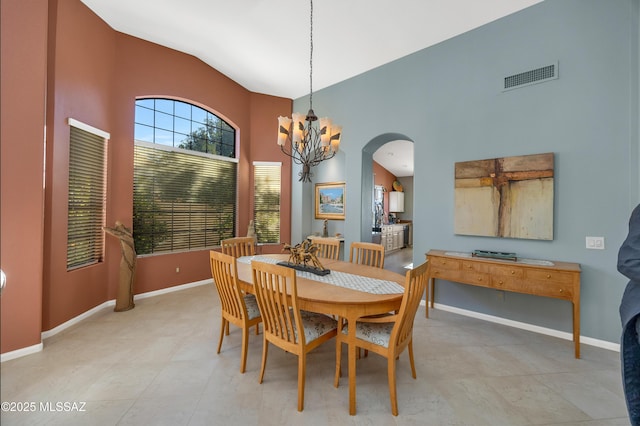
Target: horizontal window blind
{"type": "Point", "coordinates": [182, 200]}
{"type": "Point", "coordinates": [87, 198]}
{"type": "Point", "coordinates": [266, 212]}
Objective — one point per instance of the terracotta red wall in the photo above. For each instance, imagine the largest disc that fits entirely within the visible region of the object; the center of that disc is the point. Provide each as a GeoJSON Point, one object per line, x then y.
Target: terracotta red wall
{"type": "Point", "coordinates": [382, 176]}
{"type": "Point", "coordinates": [23, 43]}
{"type": "Point", "coordinates": [264, 133]}
{"type": "Point", "coordinates": [81, 74]}
{"type": "Point", "coordinates": [94, 75]}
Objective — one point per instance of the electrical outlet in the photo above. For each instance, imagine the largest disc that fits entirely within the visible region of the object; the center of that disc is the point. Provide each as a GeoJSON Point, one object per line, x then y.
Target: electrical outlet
{"type": "Point", "coordinates": [595, 243]}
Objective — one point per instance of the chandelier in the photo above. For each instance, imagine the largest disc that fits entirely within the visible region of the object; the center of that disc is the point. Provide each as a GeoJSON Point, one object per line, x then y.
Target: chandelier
{"type": "Point", "coordinates": [306, 142]}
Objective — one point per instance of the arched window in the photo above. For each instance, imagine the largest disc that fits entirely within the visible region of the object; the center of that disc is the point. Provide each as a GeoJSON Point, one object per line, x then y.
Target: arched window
{"type": "Point", "coordinates": [185, 126]}
{"type": "Point", "coordinates": [185, 174]}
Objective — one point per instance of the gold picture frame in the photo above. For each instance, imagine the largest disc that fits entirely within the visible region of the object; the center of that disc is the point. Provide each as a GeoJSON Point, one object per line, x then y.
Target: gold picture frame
{"type": "Point", "coordinates": [330, 200]}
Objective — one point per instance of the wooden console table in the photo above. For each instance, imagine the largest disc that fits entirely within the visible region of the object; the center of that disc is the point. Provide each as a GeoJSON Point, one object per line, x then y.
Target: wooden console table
{"type": "Point", "coordinates": [560, 280]}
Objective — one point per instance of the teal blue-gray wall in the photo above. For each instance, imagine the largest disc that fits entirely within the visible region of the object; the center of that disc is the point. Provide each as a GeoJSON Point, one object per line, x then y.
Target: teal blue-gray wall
{"type": "Point", "coordinates": [447, 99]}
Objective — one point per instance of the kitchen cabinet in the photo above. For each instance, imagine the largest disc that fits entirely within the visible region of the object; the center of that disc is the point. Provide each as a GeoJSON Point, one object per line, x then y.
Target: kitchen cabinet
{"type": "Point", "coordinates": [392, 237]}
{"type": "Point", "coordinates": [396, 202]}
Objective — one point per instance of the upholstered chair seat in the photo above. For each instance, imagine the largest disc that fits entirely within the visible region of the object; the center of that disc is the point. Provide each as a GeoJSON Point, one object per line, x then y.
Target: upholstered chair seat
{"type": "Point", "coordinates": [252, 306]}
{"type": "Point", "coordinates": [315, 325]}
{"type": "Point", "coordinates": [376, 333]}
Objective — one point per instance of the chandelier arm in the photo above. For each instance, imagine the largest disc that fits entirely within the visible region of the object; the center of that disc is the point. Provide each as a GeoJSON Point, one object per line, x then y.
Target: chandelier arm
{"type": "Point", "coordinates": [312, 153]}
{"type": "Point", "coordinates": [290, 153]}
{"type": "Point", "coordinates": [318, 159]}
{"type": "Point", "coordinates": [313, 147]}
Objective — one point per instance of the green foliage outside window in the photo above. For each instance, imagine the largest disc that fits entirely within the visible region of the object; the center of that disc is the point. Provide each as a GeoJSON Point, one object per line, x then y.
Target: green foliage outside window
{"type": "Point", "coordinates": [182, 200]}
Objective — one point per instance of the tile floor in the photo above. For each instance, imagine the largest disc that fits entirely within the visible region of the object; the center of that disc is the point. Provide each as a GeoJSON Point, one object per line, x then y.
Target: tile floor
{"type": "Point", "coordinates": [157, 365]}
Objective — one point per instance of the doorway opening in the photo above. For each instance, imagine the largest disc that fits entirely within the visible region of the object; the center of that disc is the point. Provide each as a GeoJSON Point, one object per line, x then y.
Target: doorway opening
{"type": "Point", "coordinates": [387, 176]}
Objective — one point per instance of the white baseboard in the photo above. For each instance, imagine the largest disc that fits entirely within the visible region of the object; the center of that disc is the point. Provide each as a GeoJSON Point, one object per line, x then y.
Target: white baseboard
{"type": "Point", "coordinates": [171, 289]}
{"type": "Point", "coordinates": [73, 321]}
{"type": "Point", "coordinates": [76, 320]}
{"type": "Point", "coordinates": [8, 356]}
{"type": "Point", "coordinates": [529, 327]}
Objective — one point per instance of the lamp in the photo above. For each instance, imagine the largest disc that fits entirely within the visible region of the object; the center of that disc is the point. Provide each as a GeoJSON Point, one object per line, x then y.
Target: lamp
{"type": "Point", "coordinates": [301, 139]}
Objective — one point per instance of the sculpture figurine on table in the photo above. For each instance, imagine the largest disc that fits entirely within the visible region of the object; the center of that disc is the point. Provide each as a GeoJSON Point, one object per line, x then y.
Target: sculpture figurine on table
{"type": "Point", "coordinates": [251, 230]}
{"type": "Point", "coordinates": [303, 258]}
{"type": "Point", "coordinates": [124, 299]}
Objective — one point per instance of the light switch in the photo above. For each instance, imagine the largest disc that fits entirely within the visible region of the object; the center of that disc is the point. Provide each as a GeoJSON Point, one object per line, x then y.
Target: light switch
{"type": "Point", "coordinates": [595, 243]}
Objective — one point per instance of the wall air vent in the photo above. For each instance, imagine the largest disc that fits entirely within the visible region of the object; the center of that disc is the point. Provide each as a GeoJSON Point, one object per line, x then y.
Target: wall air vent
{"type": "Point", "coordinates": [527, 78]}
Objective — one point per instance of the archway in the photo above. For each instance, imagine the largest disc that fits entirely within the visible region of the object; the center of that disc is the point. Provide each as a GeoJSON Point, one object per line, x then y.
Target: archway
{"type": "Point", "coordinates": [367, 178]}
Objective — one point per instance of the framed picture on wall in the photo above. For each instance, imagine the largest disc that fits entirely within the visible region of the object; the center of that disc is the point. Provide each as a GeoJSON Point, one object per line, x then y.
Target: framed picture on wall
{"type": "Point", "coordinates": [508, 197]}
{"type": "Point", "coordinates": [330, 200]}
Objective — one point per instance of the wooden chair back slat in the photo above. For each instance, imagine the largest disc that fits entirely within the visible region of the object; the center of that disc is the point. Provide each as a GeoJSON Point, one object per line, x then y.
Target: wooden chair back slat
{"type": "Point", "coordinates": [369, 254]}
{"type": "Point", "coordinates": [239, 246]}
{"type": "Point", "coordinates": [328, 248]}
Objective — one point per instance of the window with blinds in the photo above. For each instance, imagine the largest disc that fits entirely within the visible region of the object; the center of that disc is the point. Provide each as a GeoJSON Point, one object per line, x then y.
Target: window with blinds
{"type": "Point", "coordinates": [87, 195]}
{"type": "Point", "coordinates": [266, 201]}
{"type": "Point", "coordinates": [182, 200]}
{"type": "Point", "coordinates": [185, 173]}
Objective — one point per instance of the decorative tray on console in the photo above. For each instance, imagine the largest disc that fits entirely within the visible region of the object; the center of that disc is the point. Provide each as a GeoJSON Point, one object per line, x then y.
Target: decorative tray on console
{"type": "Point", "coordinates": [494, 255]}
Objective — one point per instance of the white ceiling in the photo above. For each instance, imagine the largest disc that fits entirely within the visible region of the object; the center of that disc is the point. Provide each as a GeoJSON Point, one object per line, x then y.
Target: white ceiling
{"type": "Point", "coordinates": [396, 157]}
{"type": "Point", "coordinates": [264, 44]}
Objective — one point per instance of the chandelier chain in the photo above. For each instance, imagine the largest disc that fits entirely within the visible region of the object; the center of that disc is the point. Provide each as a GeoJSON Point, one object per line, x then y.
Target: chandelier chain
{"type": "Point", "coordinates": [308, 143]}
{"type": "Point", "coordinates": [311, 60]}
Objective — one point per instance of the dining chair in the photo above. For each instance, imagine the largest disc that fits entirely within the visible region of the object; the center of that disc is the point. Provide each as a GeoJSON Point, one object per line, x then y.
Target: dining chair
{"type": "Point", "coordinates": [388, 335]}
{"type": "Point", "coordinates": [239, 246]}
{"type": "Point", "coordinates": [370, 254]}
{"type": "Point", "coordinates": [328, 248]}
{"type": "Point", "coordinates": [237, 308]}
{"type": "Point", "coordinates": [277, 294]}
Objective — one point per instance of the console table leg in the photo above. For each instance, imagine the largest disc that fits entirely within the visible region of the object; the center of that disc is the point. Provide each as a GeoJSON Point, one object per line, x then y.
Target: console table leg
{"type": "Point", "coordinates": [576, 328]}
{"type": "Point", "coordinates": [432, 281]}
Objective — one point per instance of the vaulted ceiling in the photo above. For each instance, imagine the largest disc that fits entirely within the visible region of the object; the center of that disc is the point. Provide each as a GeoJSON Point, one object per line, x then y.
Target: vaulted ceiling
{"type": "Point", "coordinates": [264, 45]}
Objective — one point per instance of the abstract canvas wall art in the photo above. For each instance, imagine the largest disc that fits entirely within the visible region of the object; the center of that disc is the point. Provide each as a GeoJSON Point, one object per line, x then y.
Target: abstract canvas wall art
{"type": "Point", "coordinates": [510, 197]}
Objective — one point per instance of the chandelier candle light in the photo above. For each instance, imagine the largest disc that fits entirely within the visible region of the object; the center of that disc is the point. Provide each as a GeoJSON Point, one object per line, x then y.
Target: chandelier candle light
{"type": "Point", "coordinates": [308, 144]}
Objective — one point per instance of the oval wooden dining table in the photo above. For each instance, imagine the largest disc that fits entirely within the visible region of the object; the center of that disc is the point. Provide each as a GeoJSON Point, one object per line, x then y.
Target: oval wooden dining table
{"type": "Point", "coordinates": [343, 302]}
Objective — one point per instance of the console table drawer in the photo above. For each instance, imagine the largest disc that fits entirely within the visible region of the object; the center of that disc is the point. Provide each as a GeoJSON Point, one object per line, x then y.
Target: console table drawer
{"type": "Point", "coordinates": [441, 263]}
{"type": "Point", "coordinates": [477, 278]}
{"type": "Point", "coordinates": [506, 277]}
{"type": "Point", "coordinates": [507, 271]}
{"type": "Point", "coordinates": [505, 283]}
{"type": "Point", "coordinates": [549, 289]}
{"type": "Point", "coordinates": [446, 274]}
{"type": "Point", "coordinates": [550, 276]}
{"type": "Point", "coordinates": [475, 266]}
{"type": "Point", "coordinates": [538, 288]}
{"type": "Point", "coordinates": [458, 275]}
